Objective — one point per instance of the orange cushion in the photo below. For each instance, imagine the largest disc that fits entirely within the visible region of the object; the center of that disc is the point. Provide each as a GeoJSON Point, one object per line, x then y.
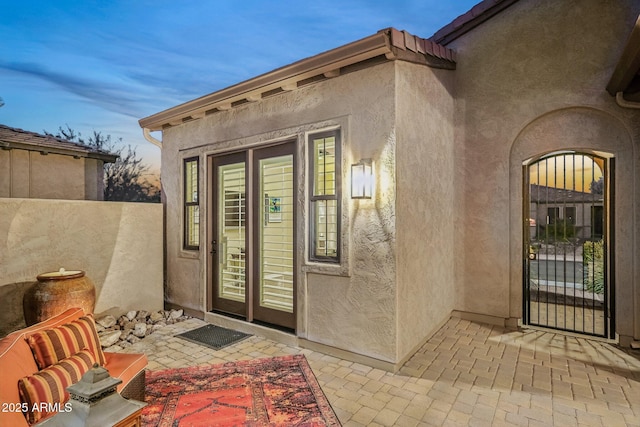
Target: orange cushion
{"type": "Point", "coordinates": [43, 390]}
{"type": "Point", "coordinates": [52, 345]}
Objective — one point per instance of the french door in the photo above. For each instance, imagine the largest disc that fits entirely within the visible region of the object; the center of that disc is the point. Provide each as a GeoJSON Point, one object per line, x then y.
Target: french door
{"type": "Point", "coordinates": [253, 219]}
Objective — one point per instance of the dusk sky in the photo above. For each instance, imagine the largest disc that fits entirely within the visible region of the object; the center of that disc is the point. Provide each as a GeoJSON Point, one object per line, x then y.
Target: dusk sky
{"type": "Point", "coordinates": [103, 65]}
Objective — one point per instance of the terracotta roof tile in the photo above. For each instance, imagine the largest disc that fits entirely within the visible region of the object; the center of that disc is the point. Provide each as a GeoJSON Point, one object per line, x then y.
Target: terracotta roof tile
{"type": "Point", "coordinates": [397, 39]}
{"type": "Point", "coordinates": [410, 41]}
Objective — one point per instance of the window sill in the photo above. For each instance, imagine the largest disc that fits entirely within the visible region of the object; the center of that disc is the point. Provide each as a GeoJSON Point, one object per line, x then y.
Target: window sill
{"type": "Point", "coordinates": [327, 269]}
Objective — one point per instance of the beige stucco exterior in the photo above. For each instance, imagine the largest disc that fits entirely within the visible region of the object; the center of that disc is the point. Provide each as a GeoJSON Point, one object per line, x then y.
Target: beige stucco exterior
{"type": "Point", "coordinates": [29, 174]}
{"type": "Point", "coordinates": [443, 233]}
{"type": "Point", "coordinates": [118, 245]}
{"type": "Point", "coordinates": [530, 81]}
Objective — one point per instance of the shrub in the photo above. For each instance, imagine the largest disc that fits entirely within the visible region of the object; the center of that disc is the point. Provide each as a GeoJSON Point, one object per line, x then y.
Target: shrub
{"type": "Point", "coordinates": [593, 257]}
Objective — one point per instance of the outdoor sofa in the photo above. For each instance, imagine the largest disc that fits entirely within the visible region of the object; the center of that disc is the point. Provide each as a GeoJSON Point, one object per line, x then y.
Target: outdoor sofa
{"type": "Point", "coordinates": [37, 363]}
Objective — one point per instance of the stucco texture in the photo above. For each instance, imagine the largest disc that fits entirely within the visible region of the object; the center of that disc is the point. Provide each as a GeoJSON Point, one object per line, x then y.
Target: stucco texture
{"type": "Point", "coordinates": [29, 174]}
{"type": "Point", "coordinates": [426, 181]}
{"type": "Point", "coordinates": [351, 306]}
{"type": "Point", "coordinates": [118, 245]}
{"type": "Point", "coordinates": [529, 81]}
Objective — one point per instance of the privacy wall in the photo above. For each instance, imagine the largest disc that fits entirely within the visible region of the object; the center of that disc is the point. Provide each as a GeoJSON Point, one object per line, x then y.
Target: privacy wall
{"type": "Point", "coordinates": [118, 245]}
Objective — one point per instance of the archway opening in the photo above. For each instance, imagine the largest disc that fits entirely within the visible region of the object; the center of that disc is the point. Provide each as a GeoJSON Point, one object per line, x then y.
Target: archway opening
{"type": "Point", "coordinates": [567, 242]}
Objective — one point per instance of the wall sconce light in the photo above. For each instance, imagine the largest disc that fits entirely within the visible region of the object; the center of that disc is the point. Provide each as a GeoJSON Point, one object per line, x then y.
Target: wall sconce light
{"type": "Point", "coordinates": [362, 179]}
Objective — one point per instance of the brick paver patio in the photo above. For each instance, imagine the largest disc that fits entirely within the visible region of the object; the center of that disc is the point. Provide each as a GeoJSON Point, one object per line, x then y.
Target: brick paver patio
{"type": "Point", "coordinates": [467, 374]}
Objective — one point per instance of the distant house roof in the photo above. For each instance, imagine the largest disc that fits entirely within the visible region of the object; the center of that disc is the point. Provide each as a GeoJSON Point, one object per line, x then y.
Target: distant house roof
{"type": "Point", "coordinates": [13, 138]}
{"type": "Point", "coordinates": [386, 45]}
{"type": "Point", "coordinates": [552, 195]}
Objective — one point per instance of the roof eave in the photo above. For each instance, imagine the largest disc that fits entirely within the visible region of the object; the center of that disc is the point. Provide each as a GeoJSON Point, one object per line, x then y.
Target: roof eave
{"type": "Point", "coordinates": [44, 150]}
{"type": "Point", "coordinates": [628, 68]}
{"type": "Point", "coordinates": [466, 22]}
{"type": "Point", "coordinates": [388, 43]}
{"type": "Point", "coordinates": [285, 78]}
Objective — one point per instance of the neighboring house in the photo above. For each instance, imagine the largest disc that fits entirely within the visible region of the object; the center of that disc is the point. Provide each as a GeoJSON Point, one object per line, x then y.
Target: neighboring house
{"type": "Point", "coordinates": [266, 181]}
{"type": "Point", "coordinates": [581, 211]}
{"type": "Point", "coordinates": [45, 167]}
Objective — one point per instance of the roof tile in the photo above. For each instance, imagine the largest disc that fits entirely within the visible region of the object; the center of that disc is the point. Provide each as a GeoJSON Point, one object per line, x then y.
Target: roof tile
{"type": "Point", "coordinates": [410, 42]}
{"type": "Point", "coordinates": [10, 135]}
{"type": "Point", "coordinates": [397, 39]}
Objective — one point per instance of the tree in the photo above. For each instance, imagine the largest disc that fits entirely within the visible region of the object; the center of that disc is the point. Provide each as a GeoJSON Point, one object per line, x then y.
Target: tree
{"type": "Point", "coordinates": [597, 187]}
{"type": "Point", "coordinates": [124, 180]}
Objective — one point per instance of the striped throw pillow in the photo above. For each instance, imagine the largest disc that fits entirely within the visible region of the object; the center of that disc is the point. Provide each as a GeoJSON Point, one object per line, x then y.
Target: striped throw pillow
{"type": "Point", "coordinates": [48, 387]}
{"type": "Point", "coordinates": [52, 345]}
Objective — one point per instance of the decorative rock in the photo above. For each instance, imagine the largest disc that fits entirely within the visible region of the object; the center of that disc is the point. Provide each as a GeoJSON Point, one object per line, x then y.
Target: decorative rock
{"type": "Point", "coordinates": [106, 321]}
{"type": "Point", "coordinates": [158, 326]}
{"type": "Point", "coordinates": [107, 339]}
{"type": "Point", "coordinates": [140, 330]}
{"type": "Point", "coordinates": [156, 316]}
{"type": "Point", "coordinates": [133, 339]}
{"type": "Point", "coordinates": [134, 326]}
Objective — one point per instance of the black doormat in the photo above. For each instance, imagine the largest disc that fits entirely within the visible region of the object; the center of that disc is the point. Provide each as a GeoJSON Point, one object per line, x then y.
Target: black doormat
{"type": "Point", "coordinates": [213, 336]}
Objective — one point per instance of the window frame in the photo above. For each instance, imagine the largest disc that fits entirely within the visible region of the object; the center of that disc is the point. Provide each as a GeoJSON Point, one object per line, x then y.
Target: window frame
{"type": "Point", "coordinates": [187, 205]}
{"type": "Point", "coordinates": [335, 259]}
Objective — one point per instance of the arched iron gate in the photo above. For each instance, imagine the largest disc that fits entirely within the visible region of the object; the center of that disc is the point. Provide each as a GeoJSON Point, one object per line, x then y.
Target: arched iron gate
{"type": "Point", "coordinates": [568, 235]}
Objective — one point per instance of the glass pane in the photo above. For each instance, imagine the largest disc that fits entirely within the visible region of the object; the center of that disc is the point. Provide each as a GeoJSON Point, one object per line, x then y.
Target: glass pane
{"type": "Point", "coordinates": [326, 228]}
{"type": "Point", "coordinates": [193, 221]}
{"type": "Point", "coordinates": [324, 165]}
{"type": "Point", "coordinates": [231, 231]}
{"type": "Point", "coordinates": [191, 181]}
{"type": "Point", "coordinates": [276, 234]}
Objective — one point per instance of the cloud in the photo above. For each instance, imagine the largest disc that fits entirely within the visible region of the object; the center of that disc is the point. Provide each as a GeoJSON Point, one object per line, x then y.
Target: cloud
{"type": "Point", "coordinates": [116, 98]}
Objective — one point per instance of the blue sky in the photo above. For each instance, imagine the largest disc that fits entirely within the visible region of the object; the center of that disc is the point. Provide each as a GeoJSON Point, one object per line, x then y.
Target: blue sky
{"type": "Point", "coordinates": [103, 65]}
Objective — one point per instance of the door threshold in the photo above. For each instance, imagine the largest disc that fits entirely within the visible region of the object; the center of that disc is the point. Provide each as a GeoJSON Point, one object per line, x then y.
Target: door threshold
{"type": "Point", "coordinates": [283, 337]}
{"type": "Point", "coordinates": [570, 334]}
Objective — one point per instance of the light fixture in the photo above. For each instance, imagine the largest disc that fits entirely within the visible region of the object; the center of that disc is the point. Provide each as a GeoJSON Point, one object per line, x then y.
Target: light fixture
{"type": "Point", "coordinates": [362, 179]}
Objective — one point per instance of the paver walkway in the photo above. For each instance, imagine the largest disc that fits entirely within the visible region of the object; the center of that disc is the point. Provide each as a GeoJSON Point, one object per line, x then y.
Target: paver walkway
{"type": "Point", "coordinates": [467, 374]}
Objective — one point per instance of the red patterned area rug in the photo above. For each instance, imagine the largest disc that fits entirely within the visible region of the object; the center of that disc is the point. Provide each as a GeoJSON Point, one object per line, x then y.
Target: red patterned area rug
{"type": "Point", "coordinates": [280, 391]}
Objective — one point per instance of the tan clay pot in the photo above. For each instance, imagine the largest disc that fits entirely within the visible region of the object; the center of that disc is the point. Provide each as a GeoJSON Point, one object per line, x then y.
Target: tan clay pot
{"type": "Point", "coordinates": [56, 292]}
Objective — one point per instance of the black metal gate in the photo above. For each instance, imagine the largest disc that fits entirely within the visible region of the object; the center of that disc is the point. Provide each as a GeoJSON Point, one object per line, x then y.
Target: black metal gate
{"type": "Point", "coordinates": [568, 274]}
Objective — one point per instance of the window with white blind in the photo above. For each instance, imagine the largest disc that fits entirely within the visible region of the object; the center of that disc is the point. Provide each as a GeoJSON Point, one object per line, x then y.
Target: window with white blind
{"type": "Point", "coordinates": [324, 200]}
{"type": "Point", "coordinates": [191, 205]}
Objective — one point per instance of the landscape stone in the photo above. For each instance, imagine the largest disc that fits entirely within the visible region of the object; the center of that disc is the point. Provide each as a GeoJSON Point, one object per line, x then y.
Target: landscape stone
{"type": "Point", "coordinates": [134, 326]}
{"type": "Point", "coordinates": [156, 316]}
{"type": "Point", "coordinates": [140, 330]}
{"type": "Point", "coordinates": [109, 338]}
{"type": "Point", "coordinates": [106, 321]}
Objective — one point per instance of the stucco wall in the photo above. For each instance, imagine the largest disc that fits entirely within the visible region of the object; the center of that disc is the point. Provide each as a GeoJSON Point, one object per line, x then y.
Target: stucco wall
{"type": "Point", "coordinates": [530, 61]}
{"type": "Point", "coordinates": [351, 306]}
{"type": "Point", "coordinates": [425, 202]}
{"type": "Point", "coordinates": [29, 174]}
{"type": "Point", "coordinates": [119, 245]}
